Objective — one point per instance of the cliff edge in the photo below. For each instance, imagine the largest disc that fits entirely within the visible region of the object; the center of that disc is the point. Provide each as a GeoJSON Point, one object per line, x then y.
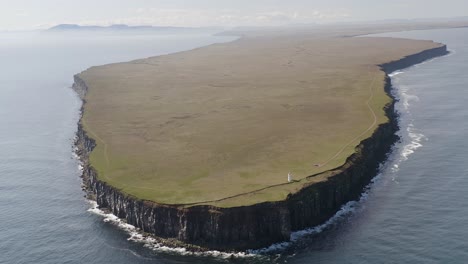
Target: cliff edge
{"type": "Point", "coordinates": [258, 225]}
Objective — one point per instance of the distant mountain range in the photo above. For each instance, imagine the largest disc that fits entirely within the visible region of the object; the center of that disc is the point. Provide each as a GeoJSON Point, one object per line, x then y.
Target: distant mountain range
{"type": "Point", "coordinates": [123, 27]}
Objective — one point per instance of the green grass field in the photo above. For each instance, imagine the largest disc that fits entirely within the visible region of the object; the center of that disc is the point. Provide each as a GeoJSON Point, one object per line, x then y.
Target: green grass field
{"type": "Point", "coordinates": [233, 118]}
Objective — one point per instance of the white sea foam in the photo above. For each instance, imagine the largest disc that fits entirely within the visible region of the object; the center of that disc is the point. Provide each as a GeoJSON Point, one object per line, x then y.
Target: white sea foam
{"type": "Point", "coordinates": [395, 73]}
{"type": "Point", "coordinates": [153, 244]}
{"type": "Point", "coordinates": [407, 99]}
{"type": "Point", "coordinates": [415, 143]}
{"type": "Point", "coordinates": [149, 242]}
{"type": "Point", "coordinates": [345, 211]}
{"type": "Point", "coordinates": [74, 151]}
{"type": "Point", "coordinates": [451, 52]}
{"type": "Point", "coordinates": [411, 137]}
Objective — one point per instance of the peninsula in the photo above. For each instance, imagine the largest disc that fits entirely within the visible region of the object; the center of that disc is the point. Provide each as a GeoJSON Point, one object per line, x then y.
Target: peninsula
{"type": "Point", "coordinates": [234, 146]}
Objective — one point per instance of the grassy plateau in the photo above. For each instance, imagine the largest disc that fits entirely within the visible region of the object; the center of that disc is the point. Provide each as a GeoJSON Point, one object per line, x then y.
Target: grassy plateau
{"type": "Point", "coordinates": [233, 119]}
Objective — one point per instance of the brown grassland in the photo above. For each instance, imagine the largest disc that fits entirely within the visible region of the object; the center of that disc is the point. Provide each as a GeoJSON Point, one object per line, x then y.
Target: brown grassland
{"type": "Point", "coordinates": [227, 119]}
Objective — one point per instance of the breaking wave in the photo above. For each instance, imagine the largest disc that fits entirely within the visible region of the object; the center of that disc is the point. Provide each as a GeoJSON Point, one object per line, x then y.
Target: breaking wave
{"type": "Point", "coordinates": [410, 137]}
{"type": "Point", "coordinates": [151, 243]}
{"type": "Point", "coordinates": [346, 210]}
{"type": "Point", "coordinates": [415, 142]}
{"type": "Point", "coordinates": [395, 73]}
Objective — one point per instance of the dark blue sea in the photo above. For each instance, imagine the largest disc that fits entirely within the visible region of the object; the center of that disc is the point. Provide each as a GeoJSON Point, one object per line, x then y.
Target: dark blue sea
{"type": "Point", "coordinates": [415, 211]}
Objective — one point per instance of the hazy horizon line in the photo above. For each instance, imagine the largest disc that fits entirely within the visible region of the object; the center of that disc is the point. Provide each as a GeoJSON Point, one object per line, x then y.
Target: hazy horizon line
{"type": "Point", "coordinates": [352, 22]}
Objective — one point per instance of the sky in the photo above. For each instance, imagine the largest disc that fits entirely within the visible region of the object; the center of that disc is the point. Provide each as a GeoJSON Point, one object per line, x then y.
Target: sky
{"type": "Point", "coordinates": [38, 14]}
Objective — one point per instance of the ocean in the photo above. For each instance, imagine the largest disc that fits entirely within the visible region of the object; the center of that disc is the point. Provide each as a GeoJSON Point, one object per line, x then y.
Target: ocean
{"type": "Point", "coordinates": [415, 211]}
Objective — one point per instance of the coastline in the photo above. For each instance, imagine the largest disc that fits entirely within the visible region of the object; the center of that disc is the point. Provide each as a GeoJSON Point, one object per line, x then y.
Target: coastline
{"type": "Point", "coordinates": [258, 225]}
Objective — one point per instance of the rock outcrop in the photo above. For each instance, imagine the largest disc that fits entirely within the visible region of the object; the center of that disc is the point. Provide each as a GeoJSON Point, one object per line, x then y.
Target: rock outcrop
{"type": "Point", "coordinates": [258, 225]}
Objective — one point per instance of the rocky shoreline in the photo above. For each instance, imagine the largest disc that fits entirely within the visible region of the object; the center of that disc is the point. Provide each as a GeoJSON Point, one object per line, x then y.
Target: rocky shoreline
{"type": "Point", "coordinates": [259, 225]}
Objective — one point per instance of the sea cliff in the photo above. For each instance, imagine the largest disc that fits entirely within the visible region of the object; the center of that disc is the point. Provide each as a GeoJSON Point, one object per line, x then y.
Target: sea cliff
{"type": "Point", "coordinates": [259, 225]}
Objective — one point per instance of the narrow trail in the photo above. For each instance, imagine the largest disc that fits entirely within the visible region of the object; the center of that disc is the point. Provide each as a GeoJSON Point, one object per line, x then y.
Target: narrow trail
{"type": "Point", "coordinates": [374, 116]}
{"type": "Point", "coordinates": [374, 122]}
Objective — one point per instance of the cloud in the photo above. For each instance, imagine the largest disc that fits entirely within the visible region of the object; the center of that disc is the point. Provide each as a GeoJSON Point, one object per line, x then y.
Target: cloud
{"type": "Point", "coordinates": [276, 17]}
{"type": "Point", "coordinates": [221, 17]}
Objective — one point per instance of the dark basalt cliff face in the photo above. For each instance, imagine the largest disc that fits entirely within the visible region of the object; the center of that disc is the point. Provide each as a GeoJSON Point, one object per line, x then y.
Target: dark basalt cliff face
{"type": "Point", "coordinates": [259, 225]}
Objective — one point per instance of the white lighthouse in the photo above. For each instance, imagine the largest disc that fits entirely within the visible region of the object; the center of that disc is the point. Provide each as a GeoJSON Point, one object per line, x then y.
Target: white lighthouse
{"type": "Point", "coordinates": [289, 177]}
